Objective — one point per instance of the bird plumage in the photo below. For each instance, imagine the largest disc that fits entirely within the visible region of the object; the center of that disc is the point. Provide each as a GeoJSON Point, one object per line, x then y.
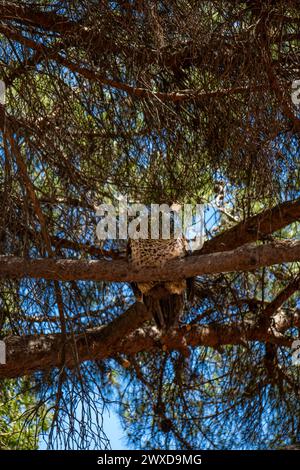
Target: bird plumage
{"type": "Point", "coordinates": [164, 299]}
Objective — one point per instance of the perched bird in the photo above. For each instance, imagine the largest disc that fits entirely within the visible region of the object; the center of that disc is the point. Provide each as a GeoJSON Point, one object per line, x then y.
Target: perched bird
{"type": "Point", "coordinates": [165, 300]}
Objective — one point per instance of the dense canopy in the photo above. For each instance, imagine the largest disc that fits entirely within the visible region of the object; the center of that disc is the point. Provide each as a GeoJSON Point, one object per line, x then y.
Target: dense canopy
{"type": "Point", "coordinates": [160, 101]}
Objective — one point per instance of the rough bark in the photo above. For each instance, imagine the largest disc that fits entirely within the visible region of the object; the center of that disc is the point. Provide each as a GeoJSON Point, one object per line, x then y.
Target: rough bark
{"type": "Point", "coordinates": [246, 258]}
{"type": "Point", "coordinates": [257, 227]}
{"type": "Point", "coordinates": [28, 354]}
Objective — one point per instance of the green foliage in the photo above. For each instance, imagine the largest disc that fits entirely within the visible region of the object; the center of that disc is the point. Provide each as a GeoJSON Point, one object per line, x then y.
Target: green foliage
{"type": "Point", "coordinates": [161, 101]}
{"type": "Point", "coordinates": [21, 419]}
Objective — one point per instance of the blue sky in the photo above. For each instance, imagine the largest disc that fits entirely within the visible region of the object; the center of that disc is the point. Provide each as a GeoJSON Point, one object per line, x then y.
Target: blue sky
{"type": "Point", "coordinates": [114, 432]}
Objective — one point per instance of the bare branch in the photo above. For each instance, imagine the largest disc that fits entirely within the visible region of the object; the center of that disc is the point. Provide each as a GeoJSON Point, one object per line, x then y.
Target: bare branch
{"type": "Point", "coordinates": [246, 258]}
{"type": "Point", "coordinates": [41, 352]}
{"type": "Point", "coordinates": [255, 228]}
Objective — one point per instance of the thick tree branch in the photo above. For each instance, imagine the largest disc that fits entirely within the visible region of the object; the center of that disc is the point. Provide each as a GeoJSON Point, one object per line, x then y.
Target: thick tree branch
{"type": "Point", "coordinates": [255, 228]}
{"type": "Point", "coordinates": [42, 352]}
{"type": "Point", "coordinates": [28, 354]}
{"type": "Point", "coordinates": [246, 258]}
{"type": "Point", "coordinates": [270, 310]}
{"type": "Point", "coordinates": [282, 297]}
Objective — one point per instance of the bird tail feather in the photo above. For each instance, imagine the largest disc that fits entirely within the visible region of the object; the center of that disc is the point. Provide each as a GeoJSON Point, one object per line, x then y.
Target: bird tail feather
{"type": "Point", "coordinates": [166, 310]}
